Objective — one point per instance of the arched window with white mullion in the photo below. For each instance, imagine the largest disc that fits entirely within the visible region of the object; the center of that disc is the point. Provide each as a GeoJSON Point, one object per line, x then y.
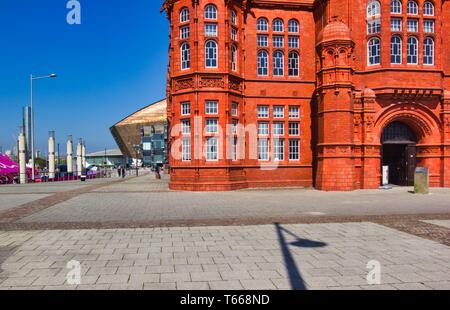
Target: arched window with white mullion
{"type": "Point", "coordinates": [412, 8]}
{"type": "Point", "coordinates": [373, 17]}
{"type": "Point", "coordinates": [373, 51]}
{"type": "Point", "coordinates": [184, 15]}
{"type": "Point", "coordinates": [278, 63]}
{"type": "Point", "coordinates": [293, 64]}
{"type": "Point", "coordinates": [396, 7]}
{"type": "Point", "coordinates": [412, 51]}
{"type": "Point", "coordinates": [278, 25]}
{"type": "Point", "coordinates": [262, 24]}
{"type": "Point", "coordinates": [428, 51]}
{"type": "Point", "coordinates": [210, 11]}
{"type": "Point", "coordinates": [396, 50]}
{"type": "Point", "coordinates": [185, 56]}
{"type": "Point", "coordinates": [263, 63]}
{"type": "Point", "coordinates": [211, 54]}
{"type": "Point", "coordinates": [428, 8]}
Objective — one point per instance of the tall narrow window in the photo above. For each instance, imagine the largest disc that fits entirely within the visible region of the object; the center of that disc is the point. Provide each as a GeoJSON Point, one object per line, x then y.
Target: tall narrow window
{"type": "Point", "coordinates": [212, 149]}
{"type": "Point", "coordinates": [278, 63]}
{"type": "Point", "coordinates": [278, 149]}
{"type": "Point", "coordinates": [373, 17]}
{"type": "Point", "coordinates": [262, 24]}
{"type": "Point", "coordinates": [211, 54]}
{"type": "Point", "coordinates": [293, 26]}
{"type": "Point", "coordinates": [412, 8]}
{"type": "Point", "coordinates": [185, 108]}
{"type": "Point", "coordinates": [210, 12]}
{"type": "Point", "coordinates": [428, 51]}
{"type": "Point", "coordinates": [293, 64]}
{"type": "Point", "coordinates": [263, 149]}
{"type": "Point", "coordinates": [396, 7]}
{"type": "Point", "coordinates": [294, 149]}
{"type": "Point", "coordinates": [396, 50]}
{"type": "Point", "coordinates": [428, 9]}
{"type": "Point", "coordinates": [278, 25]}
{"type": "Point", "coordinates": [186, 127]}
{"type": "Point", "coordinates": [234, 58]}
{"type": "Point", "coordinates": [185, 56]}
{"type": "Point", "coordinates": [184, 15]}
{"type": "Point", "coordinates": [234, 17]}
{"type": "Point", "coordinates": [412, 47]}
{"type": "Point", "coordinates": [186, 149]}
{"type": "Point", "coordinates": [373, 51]}
{"type": "Point", "coordinates": [263, 63]}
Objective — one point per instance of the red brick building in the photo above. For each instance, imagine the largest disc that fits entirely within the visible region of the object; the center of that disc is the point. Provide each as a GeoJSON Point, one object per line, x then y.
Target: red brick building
{"type": "Point", "coordinates": [308, 93]}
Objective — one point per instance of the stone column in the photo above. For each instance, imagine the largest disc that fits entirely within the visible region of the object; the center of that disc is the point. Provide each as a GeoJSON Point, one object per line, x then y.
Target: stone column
{"type": "Point", "coordinates": [69, 155]}
{"type": "Point", "coordinates": [51, 155]}
{"type": "Point", "coordinates": [22, 159]}
{"type": "Point", "coordinates": [79, 158]}
{"type": "Point", "coordinates": [83, 154]}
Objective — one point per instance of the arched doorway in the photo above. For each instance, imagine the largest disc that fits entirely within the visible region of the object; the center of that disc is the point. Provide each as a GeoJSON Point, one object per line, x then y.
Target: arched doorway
{"type": "Point", "coordinates": [399, 153]}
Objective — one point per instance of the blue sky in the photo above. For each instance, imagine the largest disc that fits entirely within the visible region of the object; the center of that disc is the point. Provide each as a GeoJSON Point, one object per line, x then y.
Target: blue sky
{"type": "Point", "coordinates": [112, 64]}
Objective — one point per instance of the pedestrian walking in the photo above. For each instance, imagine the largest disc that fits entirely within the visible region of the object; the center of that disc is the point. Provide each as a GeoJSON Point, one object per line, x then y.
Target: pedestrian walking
{"type": "Point", "coordinates": [157, 174]}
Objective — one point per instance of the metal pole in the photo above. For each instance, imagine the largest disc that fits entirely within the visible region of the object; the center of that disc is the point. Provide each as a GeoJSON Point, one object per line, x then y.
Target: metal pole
{"type": "Point", "coordinates": [32, 128]}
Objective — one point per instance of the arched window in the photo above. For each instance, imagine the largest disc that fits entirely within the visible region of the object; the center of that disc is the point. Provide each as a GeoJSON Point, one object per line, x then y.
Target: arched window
{"type": "Point", "coordinates": [211, 54]}
{"type": "Point", "coordinates": [263, 63]}
{"type": "Point", "coordinates": [293, 64]}
{"type": "Point", "coordinates": [233, 17]}
{"type": "Point", "coordinates": [412, 47]}
{"type": "Point", "coordinates": [373, 9]}
{"type": "Point", "coordinates": [412, 8]}
{"type": "Point", "coordinates": [234, 58]}
{"type": "Point", "coordinates": [210, 11]}
{"type": "Point", "coordinates": [428, 51]}
{"type": "Point", "coordinates": [373, 51]}
{"type": "Point", "coordinates": [373, 17]}
{"type": "Point", "coordinates": [263, 24]}
{"type": "Point", "coordinates": [184, 15]}
{"type": "Point", "coordinates": [185, 56]}
{"type": "Point", "coordinates": [278, 63]}
{"type": "Point", "coordinates": [428, 9]}
{"type": "Point", "coordinates": [278, 25]}
{"type": "Point", "coordinates": [293, 26]}
{"type": "Point", "coordinates": [396, 50]}
{"type": "Point", "coordinates": [396, 7]}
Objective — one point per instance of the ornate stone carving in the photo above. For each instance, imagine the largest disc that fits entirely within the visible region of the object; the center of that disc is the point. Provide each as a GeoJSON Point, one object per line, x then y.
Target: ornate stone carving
{"type": "Point", "coordinates": [234, 84]}
{"type": "Point", "coordinates": [211, 83]}
{"type": "Point", "coordinates": [184, 84]}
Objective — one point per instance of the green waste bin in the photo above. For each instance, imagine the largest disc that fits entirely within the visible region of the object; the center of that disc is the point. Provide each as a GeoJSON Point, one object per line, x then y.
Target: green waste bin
{"type": "Point", "coordinates": [422, 181]}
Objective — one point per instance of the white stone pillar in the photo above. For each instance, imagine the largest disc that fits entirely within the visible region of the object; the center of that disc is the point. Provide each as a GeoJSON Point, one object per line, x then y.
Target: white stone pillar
{"type": "Point", "coordinates": [51, 155]}
{"type": "Point", "coordinates": [69, 155]}
{"type": "Point", "coordinates": [79, 158]}
{"type": "Point", "coordinates": [83, 154]}
{"type": "Point", "coordinates": [22, 159]}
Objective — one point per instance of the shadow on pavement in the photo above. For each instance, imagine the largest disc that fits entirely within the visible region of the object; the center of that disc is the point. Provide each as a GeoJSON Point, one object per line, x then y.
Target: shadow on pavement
{"type": "Point", "coordinates": [295, 276]}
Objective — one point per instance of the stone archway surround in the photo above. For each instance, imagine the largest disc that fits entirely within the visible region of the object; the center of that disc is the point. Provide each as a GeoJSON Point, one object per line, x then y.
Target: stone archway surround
{"type": "Point", "coordinates": [427, 127]}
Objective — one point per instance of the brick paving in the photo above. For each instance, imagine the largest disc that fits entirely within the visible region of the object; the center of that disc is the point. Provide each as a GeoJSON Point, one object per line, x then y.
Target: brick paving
{"type": "Point", "coordinates": [136, 234]}
{"type": "Point", "coordinates": [302, 256]}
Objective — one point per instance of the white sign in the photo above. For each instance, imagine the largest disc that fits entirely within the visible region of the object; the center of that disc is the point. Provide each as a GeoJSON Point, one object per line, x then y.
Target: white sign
{"type": "Point", "coordinates": [385, 175]}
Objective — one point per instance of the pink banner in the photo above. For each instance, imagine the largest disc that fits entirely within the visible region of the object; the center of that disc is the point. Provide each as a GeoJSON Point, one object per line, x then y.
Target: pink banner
{"type": "Point", "coordinates": [7, 166]}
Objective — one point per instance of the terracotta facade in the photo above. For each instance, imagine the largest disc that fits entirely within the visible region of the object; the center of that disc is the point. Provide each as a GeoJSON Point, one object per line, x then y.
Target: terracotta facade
{"type": "Point", "coordinates": [347, 88]}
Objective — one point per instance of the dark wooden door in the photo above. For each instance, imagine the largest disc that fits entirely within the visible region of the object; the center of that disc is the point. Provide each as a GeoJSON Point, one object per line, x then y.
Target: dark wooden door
{"type": "Point", "coordinates": [410, 159]}
{"type": "Point", "coordinates": [401, 159]}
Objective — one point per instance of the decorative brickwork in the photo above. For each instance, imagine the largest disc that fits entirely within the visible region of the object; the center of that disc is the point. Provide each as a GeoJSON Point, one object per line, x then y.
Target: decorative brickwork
{"type": "Point", "coordinates": [245, 67]}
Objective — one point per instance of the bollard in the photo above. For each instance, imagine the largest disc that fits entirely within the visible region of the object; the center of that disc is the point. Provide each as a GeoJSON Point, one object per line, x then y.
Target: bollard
{"type": "Point", "coordinates": [421, 181]}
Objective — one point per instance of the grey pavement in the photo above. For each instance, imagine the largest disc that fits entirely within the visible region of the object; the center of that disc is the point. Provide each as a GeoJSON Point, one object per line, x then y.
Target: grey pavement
{"type": "Point", "coordinates": [300, 256]}
{"type": "Point", "coordinates": [146, 199]}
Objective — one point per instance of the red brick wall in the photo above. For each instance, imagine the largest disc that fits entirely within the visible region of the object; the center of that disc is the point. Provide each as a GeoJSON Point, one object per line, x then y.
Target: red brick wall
{"type": "Point", "coordinates": [344, 103]}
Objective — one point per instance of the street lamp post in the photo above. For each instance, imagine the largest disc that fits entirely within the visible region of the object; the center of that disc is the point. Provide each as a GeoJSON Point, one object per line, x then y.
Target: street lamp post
{"type": "Point", "coordinates": [33, 78]}
{"type": "Point", "coordinates": [137, 149]}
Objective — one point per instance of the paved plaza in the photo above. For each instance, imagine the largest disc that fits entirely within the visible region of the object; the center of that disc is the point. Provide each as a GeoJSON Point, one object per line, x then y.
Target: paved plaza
{"type": "Point", "coordinates": [136, 234]}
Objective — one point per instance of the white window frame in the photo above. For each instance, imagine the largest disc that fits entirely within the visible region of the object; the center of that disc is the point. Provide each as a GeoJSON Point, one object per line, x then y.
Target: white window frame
{"type": "Point", "coordinates": [278, 128]}
{"type": "Point", "coordinates": [278, 41]}
{"type": "Point", "coordinates": [371, 48]}
{"type": "Point", "coordinates": [263, 63]}
{"type": "Point", "coordinates": [278, 149]}
{"type": "Point", "coordinates": [278, 25]}
{"type": "Point", "coordinates": [184, 32]}
{"type": "Point", "coordinates": [428, 9]}
{"type": "Point", "coordinates": [233, 34]}
{"type": "Point", "coordinates": [186, 149]}
{"type": "Point", "coordinates": [234, 109]}
{"type": "Point", "coordinates": [234, 58]}
{"type": "Point", "coordinates": [428, 26]}
{"type": "Point", "coordinates": [184, 15]}
{"type": "Point", "coordinates": [186, 126]}
{"type": "Point", "coordinates": [396, 24]}
{"type": "Point", "coordinates": [294, 129]}
{"type": "Point", "coordinates": [211, 30]}
{"type": "Point", "coordinates": [294, 112]}
{"type": "Point", "coordinates": [211, 54]}
{"type": "Point", "coordinates": [293, 26]}
{"type": "Point", "coordinates": [396, 7]}
{"type": "Point", "coordinates": [293, 42]}
{"type": "Point", "coordinates": [278, 111]}
{"type": "Point", "coordinates": [262, 25]}
{"type": "Point", "coordinates": [185, 108]}
{"type": "Point", "coordinates": [294, 149]}
{"type": "Point", "coordinates": [412, 8]}
{"type": "Point", "coordinates": [373, 8]}
{"type": "Point", "coordinates": [428, 58]}
{"type": "Point", "coordinates": [210, 12]}
{"type": "Point", "coordinates": [412, 51]}
{"type": "Point", "coordinates": [412, 25]}
{"type": "Point", "coordinates": [293, 64]}
{"type": "Point", "coordinates": [185, 51]}
{"type": "Point", "coordinates": [263, 128]}
{"type": "Point", "coordinates": [263, 40]}
{"type": "Point", "coordinates": [212, 107]}
{"type": "Point", "coordinates": [233, 17]}
{"type": "Point", "coordinates": [212, 126]}
{"type": "Point", "coordinates": [396, 50]}
{"type": "Point", "coordinates": [212, 149]}
{"type": "Point", "coordinates": [263, 149]}
{"type": "Point", "coordinates": [278, 63]}
{"type": "Point", "coordinates": [263, 111]}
